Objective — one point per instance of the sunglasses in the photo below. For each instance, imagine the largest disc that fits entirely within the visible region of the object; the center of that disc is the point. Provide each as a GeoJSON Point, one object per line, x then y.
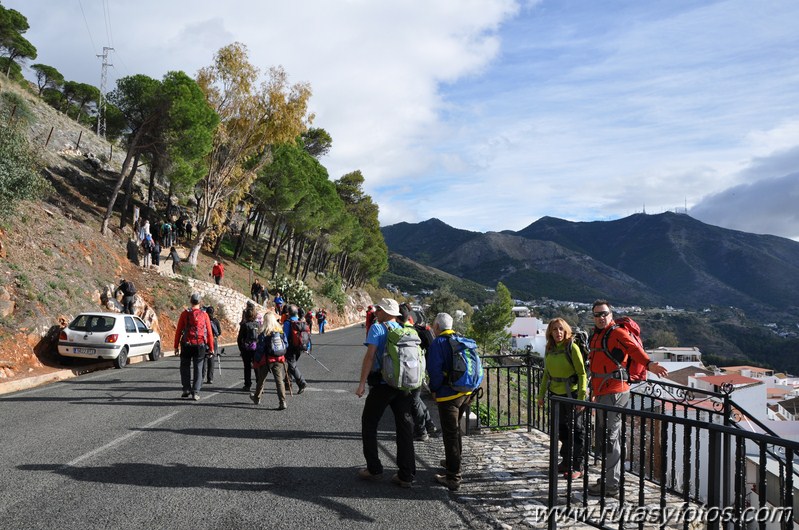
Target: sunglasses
{"type": "Point", "coordinates": [601, 314]}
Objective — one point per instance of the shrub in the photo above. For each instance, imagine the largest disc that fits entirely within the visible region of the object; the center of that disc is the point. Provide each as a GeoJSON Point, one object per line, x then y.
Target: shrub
{"type": "Point", "coordinates": [294, 291]}
{"type": "Point", "coordinates": [20, 177]}
{"type": "Point", "coordinates": [332, 290]}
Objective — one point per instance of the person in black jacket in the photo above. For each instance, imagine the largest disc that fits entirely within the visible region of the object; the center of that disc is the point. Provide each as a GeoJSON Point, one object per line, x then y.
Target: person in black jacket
{"type": "Point", "coordinates": [128, 291]}
{"type": "Point", "coordinates": [210, 359]}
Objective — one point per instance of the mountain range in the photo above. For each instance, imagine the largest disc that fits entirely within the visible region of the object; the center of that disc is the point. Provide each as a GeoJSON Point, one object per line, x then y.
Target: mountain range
{"type": "Point", "coordinates": [649, 260]}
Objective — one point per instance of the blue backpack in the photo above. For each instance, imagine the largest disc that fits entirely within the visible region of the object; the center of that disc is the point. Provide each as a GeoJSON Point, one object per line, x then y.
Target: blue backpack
{"type": "Point", "coordinates": [270, 346]}
{"type": "Point", "coordinates": [466, 373]}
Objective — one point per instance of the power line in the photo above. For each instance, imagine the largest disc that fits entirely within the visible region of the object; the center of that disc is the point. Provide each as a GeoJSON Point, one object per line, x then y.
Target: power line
{"type": "Point", "coordinates": [89, 31]}
{"type": "Point", "coordinates": [107, 17]}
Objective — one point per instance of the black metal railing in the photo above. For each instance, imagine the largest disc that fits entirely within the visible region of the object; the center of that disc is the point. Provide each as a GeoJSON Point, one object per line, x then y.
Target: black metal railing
{"type": "Point", "coordinates": [658, 445]}
{"type": "Point", "coordinates": [721, 491]}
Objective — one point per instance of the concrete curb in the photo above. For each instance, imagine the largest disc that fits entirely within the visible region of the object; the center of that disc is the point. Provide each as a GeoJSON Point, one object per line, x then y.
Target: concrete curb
{"type": "Point", "coordinates": [26, 383]}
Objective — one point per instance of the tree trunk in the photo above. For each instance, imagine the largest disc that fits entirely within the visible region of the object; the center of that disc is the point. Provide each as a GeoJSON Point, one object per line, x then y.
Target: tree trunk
{"type": "Point", "coordinates": [272, 235]}
{"type": "Point", "coordinates": [127, 202]}
{"type": "Point", "coordinates": [109, 211]}
{"type": "Point", "coordinates": [286, 237]}
{"type": "Point", "coordinates": [311, 255]}
{"type": "Point", "coordinates": [150, 190]}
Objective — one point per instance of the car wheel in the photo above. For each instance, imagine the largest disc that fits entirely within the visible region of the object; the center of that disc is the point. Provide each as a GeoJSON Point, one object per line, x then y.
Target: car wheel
{"type": "Point", "coordinates": [122, 358]}
{"type": "Point", "coordinates": [156, 353]}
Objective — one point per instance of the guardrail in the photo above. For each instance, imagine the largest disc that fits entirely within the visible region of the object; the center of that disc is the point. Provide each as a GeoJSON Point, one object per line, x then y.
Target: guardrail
{"type": "Point", "coordinates": [668, 429]}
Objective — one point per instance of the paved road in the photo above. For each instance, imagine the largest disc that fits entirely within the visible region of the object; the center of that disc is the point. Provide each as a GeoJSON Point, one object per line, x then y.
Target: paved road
{"type": "Point", "coordinates": [120, 449]}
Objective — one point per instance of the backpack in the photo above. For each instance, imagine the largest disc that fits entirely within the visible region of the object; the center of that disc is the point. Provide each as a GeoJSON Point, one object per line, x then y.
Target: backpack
{"type": "Point", "coordinates": [300, 336]}
{"type": "Point", "coordinates": [269, 346]}
{"type": "Point", "coordinates": [632, 371]}
{"type": "Point", "coordinates": [250, 335]}
{"type": "Point", "coordinates": [195, 331]}
{"type": "Point", "coordinates": [466, 372]}
{"type": "Point", "coordinates": [402, 365]}
{"type": "Point", "coordinates": [128, 289]}
{"type": "Point", "coordinates": [425, 334]}
{"type": "Point", "coordinates": [580, 338]}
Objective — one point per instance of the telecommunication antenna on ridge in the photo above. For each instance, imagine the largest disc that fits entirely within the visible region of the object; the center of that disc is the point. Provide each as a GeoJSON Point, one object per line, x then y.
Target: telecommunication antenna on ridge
{"type": "Point", "coordinates": [103, 82]}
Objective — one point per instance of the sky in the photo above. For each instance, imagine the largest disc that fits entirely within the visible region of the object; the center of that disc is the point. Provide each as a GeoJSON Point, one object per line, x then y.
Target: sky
{"type": "Point", "coordinates": [490, 114]}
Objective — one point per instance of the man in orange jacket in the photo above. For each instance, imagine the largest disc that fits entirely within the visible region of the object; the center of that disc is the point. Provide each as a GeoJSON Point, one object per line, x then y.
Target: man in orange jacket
{"type": "Point", "coordinates": [610, 386]}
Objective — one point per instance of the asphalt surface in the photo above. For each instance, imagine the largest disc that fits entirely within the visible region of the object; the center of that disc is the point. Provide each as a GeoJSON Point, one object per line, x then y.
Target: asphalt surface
{"type": "Point", "coordinates": [120, 449]}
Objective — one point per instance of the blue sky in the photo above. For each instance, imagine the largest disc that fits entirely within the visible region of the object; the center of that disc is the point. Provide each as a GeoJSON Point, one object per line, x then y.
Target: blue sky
{"type": "Point", "coordinates": [490, 114]}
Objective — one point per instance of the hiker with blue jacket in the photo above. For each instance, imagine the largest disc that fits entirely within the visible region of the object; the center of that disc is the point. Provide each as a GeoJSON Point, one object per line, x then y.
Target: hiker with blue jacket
{"type": "Point", "coordinates": [380, 396]}
{"type": "Point", "coordinates": [452, 405]}
{"type": "Point", "coordinates": [565, 376]}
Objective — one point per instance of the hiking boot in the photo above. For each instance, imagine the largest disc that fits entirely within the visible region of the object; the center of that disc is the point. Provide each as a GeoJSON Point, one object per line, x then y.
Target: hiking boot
{"type": "Point", "coordinates": [185, 394]}
{"type": "Point", "coordinates": [401, 483]}
{"type": "Point", "coordinates": [432, 430]}
{"type": "Point", "coordinates": [282, 406]}
{"type": "Point", "coordinates": [255, 399]}
{"type": "Point", "coordinates": [364, 474]}
{"type": "Point", "coordinates": [562, 467]}
{"type": "Point", "coordinates": [246, 388]}
{"type": "Point", "coordinates": [452, 485]}
{"type": "Point", "coordinates": [196, 397]}
{"type": "Point", "coordinates": [596, 490]}
{"type": "Point", "coordinates": [302, 389]}
{"type": "Point", "coordinates": [574, 475]}
{"type": "Point", "coordinates": [423, 437]}
{"type": "Point", "coordinates": [209, 382]}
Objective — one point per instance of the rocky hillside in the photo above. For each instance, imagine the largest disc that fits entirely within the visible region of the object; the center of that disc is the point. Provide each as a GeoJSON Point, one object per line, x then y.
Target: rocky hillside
{"type": "Point", "coordinates": [54, 263]}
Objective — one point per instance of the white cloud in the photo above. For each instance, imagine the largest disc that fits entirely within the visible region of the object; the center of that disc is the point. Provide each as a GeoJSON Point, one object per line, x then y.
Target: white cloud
{"type": "Point", "coordinates": [492, 113]}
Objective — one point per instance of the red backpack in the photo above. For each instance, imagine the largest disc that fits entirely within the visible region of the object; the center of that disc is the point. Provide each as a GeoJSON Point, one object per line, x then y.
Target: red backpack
{"type": "Point", "coordinates": [300, 337]}
{"type": "Point", "coordinates": [195, 331]}
{"type": "Point", "coordinates": [635, 370]}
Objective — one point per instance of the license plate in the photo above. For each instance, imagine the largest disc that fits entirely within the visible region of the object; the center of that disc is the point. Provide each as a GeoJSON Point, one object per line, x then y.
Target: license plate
{"type": "Point", "coordinates": [85, 351]}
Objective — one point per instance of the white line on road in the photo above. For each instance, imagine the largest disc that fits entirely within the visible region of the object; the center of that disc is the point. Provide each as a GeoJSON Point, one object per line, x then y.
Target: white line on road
{"type": "Point", "coordinates": [119, 440]}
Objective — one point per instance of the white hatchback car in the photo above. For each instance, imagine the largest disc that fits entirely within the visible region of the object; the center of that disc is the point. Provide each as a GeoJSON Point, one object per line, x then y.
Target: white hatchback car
{"type": "Point", "coordinates": [113, 336]}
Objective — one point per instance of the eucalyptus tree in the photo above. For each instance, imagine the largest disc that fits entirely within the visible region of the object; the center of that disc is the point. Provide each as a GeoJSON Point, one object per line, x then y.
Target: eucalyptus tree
{"type": "Point", "coordinates": [253, 118]}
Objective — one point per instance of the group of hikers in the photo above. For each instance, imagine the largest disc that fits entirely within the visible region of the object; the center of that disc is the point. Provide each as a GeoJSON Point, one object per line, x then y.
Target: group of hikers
{"type": "Point", "coordinates": [402, 351]}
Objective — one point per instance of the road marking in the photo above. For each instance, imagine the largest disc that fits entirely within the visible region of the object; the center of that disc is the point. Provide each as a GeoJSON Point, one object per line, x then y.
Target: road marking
{"type": "Point", "coordinates": [119, 440]}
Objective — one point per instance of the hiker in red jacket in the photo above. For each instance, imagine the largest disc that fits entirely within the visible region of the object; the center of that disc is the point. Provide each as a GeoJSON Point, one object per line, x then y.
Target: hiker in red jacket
{"type": "Point", "coordinates": [218, 271]}
{"type": "Point", "coordinates": [610, 386]}
{"type": "Point", "coordinates": [194, 339]}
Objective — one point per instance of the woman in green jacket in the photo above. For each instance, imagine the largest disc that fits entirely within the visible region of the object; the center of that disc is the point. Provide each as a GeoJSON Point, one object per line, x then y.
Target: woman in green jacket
{"type": "Point", "coordinates": [564, 375]}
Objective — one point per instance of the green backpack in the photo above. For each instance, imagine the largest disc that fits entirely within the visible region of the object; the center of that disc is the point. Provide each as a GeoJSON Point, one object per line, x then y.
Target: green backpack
{"type": "Point", "coordinates": [403, 364]}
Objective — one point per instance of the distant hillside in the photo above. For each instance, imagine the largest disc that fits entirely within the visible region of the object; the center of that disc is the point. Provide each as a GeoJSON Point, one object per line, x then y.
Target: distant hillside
{"type": "Point", "coordinates": [642, 259]}
{"type": "Point", "coordinates": [413, 277]}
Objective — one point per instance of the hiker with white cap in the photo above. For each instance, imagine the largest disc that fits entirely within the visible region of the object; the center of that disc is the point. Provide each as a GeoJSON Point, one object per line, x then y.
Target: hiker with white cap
{"type": "Point", "coordinates": [381, 395]}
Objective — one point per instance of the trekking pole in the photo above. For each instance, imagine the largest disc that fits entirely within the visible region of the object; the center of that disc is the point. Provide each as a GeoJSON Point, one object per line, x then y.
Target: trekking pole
{"type": "Point", "coordinates": [317, 360]}
{"type": "Point", "coordinates": [219, 361]}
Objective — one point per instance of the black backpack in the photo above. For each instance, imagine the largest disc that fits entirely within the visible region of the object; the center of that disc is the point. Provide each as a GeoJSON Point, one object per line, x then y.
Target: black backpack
{"type": "Point", "coordinates": [250, 335]}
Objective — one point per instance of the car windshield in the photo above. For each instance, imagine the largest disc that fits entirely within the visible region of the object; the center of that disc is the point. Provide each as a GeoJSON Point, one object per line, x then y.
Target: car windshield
{"type": "Point", "coordinates": [93, 323]}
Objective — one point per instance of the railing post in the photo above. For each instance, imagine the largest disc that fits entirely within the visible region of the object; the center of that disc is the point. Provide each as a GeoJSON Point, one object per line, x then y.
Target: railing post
{"type": "Point", "coordinates": [714, 476]}
{"type": "Point", "coordinates": [528, 361]}
{"type": "Point", "coordinates": [726, 452]}
{"type": "Point", "coordinates": [552, 496]}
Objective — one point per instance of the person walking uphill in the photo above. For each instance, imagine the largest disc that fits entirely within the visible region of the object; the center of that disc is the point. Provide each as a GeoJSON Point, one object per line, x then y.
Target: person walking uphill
{"type": "Point", "coordinates": [128, 291]}
{"type": "Point", "coordinates": [218, 271]}
{"type": "Point", "coordinates": [564, 375]}
{"type": "Point", "coordinates": [270, 357]}
{"type": "Point", "coordinates": [193, 339]}
{"type": "Point", "coordinates": [247, 341]}
{"type": "Point", "coordinates": [298, 338]}
{"type": "Point", "coordinates": [380, 396]}
{"type": "Point", "coordinates": [610, 386]}
{"type": "Point", "coordinates": [452, 404]}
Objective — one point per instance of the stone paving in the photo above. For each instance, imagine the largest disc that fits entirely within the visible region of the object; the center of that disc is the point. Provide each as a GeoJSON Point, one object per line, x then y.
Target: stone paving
{"type": "Point", "coordinates": [506, 483]}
